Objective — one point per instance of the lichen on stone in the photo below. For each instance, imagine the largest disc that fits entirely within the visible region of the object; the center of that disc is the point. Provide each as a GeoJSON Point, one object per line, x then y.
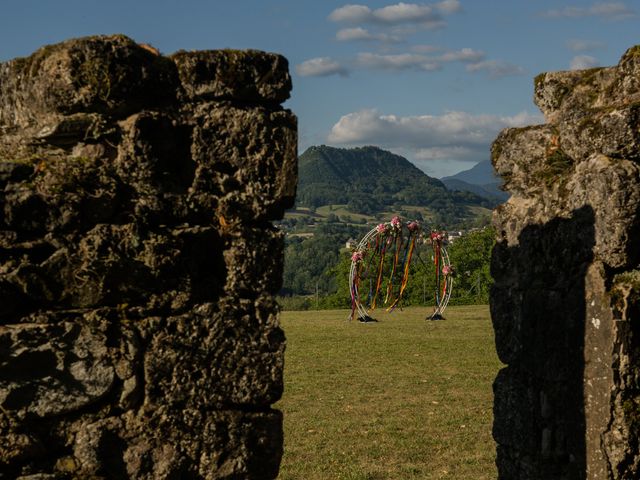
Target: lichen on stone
{"type": "Point", "coordinates": [140, 336]}
{"type": "Point", "coordinates": [566, 296]}
{"type": "Point", "coordinates": [625, 292]}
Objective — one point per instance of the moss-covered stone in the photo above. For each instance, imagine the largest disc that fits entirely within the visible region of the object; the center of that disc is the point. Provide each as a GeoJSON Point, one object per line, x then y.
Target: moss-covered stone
{"type": "Point", "coordinates": [566, 297]}
{"type": "Point", "coordinates": [631, 54]}
{"type": "Point", "coordinates": [557, 166]}
{"type": "Point", "coordinates": [142, 338]}
{"type": "Point", "coordinates": [625, 292]}
{"type": "Point", "coordinates": [245, 75]}
{"type": "Point", "coordinates": [104, 74]}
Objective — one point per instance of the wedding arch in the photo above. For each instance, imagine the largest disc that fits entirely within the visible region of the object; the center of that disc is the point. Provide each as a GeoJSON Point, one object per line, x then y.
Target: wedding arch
{"type": "Point", "coordinates": [381, 267]}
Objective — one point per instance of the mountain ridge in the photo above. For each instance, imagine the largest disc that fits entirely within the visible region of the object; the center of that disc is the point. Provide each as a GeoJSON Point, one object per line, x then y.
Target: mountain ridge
{"type": "Point", "coordinates": [481, 173]}
{"type": "Point", "coordinates": [480, 179]}
{"type": "Point", "coordinates": [369, 179]}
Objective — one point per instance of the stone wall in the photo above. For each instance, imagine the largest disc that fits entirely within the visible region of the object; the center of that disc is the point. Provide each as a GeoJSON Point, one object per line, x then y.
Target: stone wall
{"type": "Point", "coordinates": [565, 304]}
{"type": "Point", "coordinates": [139, 336]}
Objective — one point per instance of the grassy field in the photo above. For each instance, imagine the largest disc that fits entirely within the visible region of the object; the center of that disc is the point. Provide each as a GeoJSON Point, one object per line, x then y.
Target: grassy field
{"type": "Point", "coordinates": [403, 398]}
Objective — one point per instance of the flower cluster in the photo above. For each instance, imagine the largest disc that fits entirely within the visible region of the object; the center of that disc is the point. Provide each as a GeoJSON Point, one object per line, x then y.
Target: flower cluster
{"type": "Point", "coordinates": [413, 226]}
{"type": "Point", "coordinates": [447, 270]}
{"type": "Point", "coordinates": [395, 226]}
{"type": "Point", "coordinates": [357, 257]}
{"type": "Point", "coordinates": [437, 236]}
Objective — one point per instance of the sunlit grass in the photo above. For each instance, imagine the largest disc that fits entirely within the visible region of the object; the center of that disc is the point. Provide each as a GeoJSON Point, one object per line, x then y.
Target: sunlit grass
{"type": "Point", "coordinates": [403, 398]}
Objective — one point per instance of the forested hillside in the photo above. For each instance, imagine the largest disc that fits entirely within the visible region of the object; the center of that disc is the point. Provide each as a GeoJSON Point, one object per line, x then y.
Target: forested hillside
{"type": "Point", "coordinates": [369, 180]}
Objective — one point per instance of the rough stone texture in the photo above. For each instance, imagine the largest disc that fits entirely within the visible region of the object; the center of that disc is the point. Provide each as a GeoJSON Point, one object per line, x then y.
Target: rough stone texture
{"type": "Point", "coordinates": [566, 300]}
{"type": "Point", "coordinates": [139, 336]}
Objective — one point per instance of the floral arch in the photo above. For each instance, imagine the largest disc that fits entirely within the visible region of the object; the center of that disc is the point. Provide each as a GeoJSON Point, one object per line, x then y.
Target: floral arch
{"type": "Point", "coordinates": [380, 267]}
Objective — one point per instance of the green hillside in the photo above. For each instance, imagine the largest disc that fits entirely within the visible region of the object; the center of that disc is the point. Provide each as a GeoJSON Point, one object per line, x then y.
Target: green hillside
{"type": "Point", "coordinates": [369, 180]}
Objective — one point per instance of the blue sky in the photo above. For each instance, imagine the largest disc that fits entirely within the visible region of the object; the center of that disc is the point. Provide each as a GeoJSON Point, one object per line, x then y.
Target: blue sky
{"type": "Point", "coordinates": [433, 81]}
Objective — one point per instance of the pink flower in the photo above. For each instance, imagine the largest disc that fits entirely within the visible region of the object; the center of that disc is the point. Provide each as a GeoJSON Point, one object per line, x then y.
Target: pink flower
{"type": "Point", "coordinates": [447, 270]}
{"type": "Point", "coordinates": [381, 228]}
{"type": "Point", "coordinates": [395, 222]}
{"type": "Point", "coordinates": [356, 257]}
{"type": "Point", "coordinates": [413, 226]}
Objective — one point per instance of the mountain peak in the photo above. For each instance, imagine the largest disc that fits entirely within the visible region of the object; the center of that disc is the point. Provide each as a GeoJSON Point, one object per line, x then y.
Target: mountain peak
{"type": "Point", "coordinates": [481, 179]}
{"type": "Point", "coordinates": [481, 173]}
{"type": "Point", "coordinates": [373, 179]}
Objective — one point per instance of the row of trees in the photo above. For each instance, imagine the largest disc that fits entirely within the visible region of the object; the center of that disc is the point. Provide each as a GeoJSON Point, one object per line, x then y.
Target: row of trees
{"type": "Point", "coordinates": [308, 260]}
{"type": "Point", "coordinates": [327, 287]}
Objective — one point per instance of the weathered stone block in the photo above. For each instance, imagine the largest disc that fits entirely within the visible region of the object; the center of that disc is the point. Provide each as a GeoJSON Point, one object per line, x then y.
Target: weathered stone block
{"type": "Point", "coordinates": [138, 333]}
{"type": "Point", "coordinates": [229, 149]}
{"type": "Point", "coordinates": [245, 75]}
{"type": "Point", "coordinates": [254, 259]}
{"type": "Point", "coordinates": [561, 94]}
{"type": "Point", "coordinates": [525, 175]}
{"type": "Point", "coordinates": [610, 131]}
{"type": "Point", "coordinates": [614, 186]}
{"type": "Point", "coordinates": [102, 74]}
{"type": "Point", "coordinates": [49, 370]}
{"type": "Point", "coordinates": [564, 303]}
{"type": "Point", "coordinates": [242, 345]}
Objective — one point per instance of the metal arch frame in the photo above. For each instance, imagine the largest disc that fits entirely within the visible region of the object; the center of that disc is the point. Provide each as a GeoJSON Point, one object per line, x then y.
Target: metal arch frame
{"type": "Point", "coordinates": [353, 289]}
{"type": "Point", "coordinates": [363, 312]}
{"type": "Point", "coordinates": [439, 308]}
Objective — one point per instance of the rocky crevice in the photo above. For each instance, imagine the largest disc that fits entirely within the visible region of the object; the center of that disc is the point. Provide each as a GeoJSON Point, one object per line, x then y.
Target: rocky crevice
{"type": "Point", "coordinates": [139, 337]}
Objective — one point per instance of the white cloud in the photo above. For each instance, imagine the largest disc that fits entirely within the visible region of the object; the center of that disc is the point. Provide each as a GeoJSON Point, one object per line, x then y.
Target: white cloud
{"type": "Point", "coordinates": [576, 45]}
{"type": "Point", "coordinates": [433, 24]}
{"type": "Point", "coordinates": [606, 10]}
{"type": "Point", "coordinates": [464, 55]}
{"type": "Point", "coordinates": [449, 6]}
{"type": "Point", "coordinates": [496, 68]}
{"type": "Point", "coordinates": [453, 135]}
{"type": "Point", "coordinates": [417, 61]}
{"type": "Point", "coordinates": [445, 153]}
{"type": "Point", "coordinates": [351, 13]}
{"type": "Point", "coordinates": [611, 10]}
{"type": "Point", "coordinates": [582, 62]}
{"type": "Point", "coordinates": [427, 16]}
{"type": "Point", "coordinates": [404, 61]}
{"type": "Point", "coordinates": [426, 49]}
{"type": "Point", "coordinates": [320, 67]}
{"type": "Point", "coordinates": [359, 33]}
{"type": "Point", "coordinates": [404, 13]}
{"type": "Point", "coordinates": [438, 144]}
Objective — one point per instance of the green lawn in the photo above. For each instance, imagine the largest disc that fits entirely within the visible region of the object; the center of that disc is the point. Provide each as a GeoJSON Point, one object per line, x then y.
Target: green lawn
{"type": "Point", "coordinates": [403, 398]}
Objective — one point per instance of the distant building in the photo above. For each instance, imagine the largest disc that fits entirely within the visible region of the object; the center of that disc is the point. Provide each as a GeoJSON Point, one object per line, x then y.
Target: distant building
{"type": "Point", "coordinates": [351, 243]}
{"type": "Point", "coordinates": [453, 236]}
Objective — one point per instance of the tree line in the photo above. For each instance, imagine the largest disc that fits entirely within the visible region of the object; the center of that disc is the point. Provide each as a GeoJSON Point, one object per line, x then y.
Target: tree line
{"type": "Point", "coordinates": [316, 271]}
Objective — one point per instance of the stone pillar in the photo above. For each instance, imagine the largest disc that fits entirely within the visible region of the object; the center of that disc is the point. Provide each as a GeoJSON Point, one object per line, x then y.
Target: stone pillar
{"type": "Point", "coordinates": [567, 281]}
{"type": "Point", "coordinates": [139, 335]}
